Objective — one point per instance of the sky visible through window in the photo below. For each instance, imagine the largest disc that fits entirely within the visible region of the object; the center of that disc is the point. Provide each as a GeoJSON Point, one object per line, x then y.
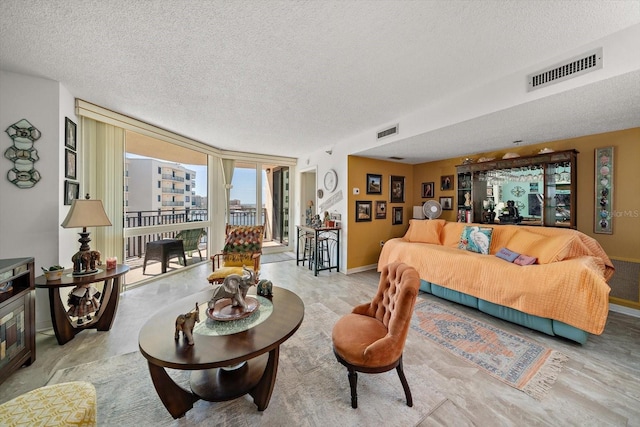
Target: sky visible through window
{"type": "Point", "coordinates": [244, 181]}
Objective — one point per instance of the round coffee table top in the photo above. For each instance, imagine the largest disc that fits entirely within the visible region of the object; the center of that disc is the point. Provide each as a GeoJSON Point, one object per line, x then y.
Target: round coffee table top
{"type": "Point", "coordinates": [158, 346]}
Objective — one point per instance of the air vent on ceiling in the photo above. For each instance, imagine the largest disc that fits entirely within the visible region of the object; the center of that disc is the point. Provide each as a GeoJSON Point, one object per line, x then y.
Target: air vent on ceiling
{"type": "Point", "coordinates": [396, 158]}
{"type": "Point", "coordinates": [566, 70]}
{"type": "Point", "coordinates": [388, 132]}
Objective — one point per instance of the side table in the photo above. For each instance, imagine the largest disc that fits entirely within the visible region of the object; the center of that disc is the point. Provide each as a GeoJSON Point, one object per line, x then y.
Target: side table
{"type": "Point", "coordinates": [65, 328]}
{"type": "Point", "coordinates": [163, 251]}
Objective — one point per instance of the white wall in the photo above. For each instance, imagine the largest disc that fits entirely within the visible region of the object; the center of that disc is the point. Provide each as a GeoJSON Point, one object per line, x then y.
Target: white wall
{"type": "Point", "coordinates": [30, 218]}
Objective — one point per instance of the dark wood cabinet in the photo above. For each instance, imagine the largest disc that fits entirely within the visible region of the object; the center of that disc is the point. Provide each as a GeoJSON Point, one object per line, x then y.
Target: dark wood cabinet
{"type": "Point", "coordinates": [17, 315]}
{"type": "Point", "coordinates": [529, 190]}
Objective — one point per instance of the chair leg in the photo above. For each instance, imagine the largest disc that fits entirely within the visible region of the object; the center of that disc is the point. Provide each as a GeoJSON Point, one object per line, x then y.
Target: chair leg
{"type": "Point", "coordinates": [353, 382]}
{"type": "Point", "coordinates": [405, 384]}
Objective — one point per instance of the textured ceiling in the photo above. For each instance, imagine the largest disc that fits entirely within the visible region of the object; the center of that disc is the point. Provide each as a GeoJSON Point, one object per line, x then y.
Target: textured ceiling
{"type": "Point", "coordinates": [288, 78]}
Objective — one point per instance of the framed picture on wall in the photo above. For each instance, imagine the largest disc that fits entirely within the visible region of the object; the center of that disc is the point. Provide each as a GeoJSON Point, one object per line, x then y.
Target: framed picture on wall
{"type": "Point", "coordinates": [374, 184]}
{"type": "Point", "coordinates": [446, 182]}
{"type": "Point", "coordinates": [446, 203]}
{"type": "Point", "coordinates": [71, 191]}
{"type": "Point", "coordinates": [70, 129]}
{"type": "Point", "coordinates": [427, 190]}
{"type": "Point", "coordinates": [363, 210]}
{"type": "Point", "coordinates": [398, 213]}
{"type": "Point", "coordinates": [397, 189]}
{"type": "Point", "coordinates": [381, 209]}
{"type": "Point", "coordinates": [69, 164]}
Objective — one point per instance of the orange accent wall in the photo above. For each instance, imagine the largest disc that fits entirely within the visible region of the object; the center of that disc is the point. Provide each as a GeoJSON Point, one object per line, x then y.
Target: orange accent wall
{"type": "Point", "coordinates": [364, 237]}
{"type": "Point", "coordinates": [624, 244]}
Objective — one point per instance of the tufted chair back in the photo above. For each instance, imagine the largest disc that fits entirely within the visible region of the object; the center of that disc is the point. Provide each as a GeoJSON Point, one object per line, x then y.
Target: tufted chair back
{"type": "Point", "coordinates": [371, 338]}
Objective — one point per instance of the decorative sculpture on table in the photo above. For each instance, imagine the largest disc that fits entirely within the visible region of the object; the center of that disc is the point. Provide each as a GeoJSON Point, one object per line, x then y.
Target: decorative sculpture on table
{"type": "Point", "coordinates": [185, 324]}
{"type": "Point", "coordinates": [265, 288]}
{"type": "Point", "coordinates": [83, 301]}
{"type": "Point", "coordinates": [86, 261]}
{"type": "Point", "coordinates": [234, 287]}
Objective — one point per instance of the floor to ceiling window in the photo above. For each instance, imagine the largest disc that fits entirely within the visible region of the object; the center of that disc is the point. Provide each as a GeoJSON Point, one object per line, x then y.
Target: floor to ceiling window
{"type": "Point", "coordinates": [165, 197]}
{"type": "Point", "coordinates": [260, 195]}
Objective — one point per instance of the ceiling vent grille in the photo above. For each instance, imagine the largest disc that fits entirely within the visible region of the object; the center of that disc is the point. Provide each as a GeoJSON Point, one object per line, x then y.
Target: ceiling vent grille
{"type": "Point", "coordinates": [566, 70]}
{"type": "Point", "coordinates": [388, 132]}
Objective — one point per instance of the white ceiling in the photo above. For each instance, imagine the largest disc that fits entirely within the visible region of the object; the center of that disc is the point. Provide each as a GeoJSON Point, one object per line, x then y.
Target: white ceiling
{"type": "Point", "coordinates": [290, 77]}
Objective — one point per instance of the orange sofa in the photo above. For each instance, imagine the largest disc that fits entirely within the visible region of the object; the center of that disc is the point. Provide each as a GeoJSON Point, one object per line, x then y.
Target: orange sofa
{"type": "Point", "coordinates": [564, 293]}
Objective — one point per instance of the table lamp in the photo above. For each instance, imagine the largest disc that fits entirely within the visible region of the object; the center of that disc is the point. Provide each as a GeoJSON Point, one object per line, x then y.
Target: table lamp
{"type": "Point", "coordinates": [85, 213]}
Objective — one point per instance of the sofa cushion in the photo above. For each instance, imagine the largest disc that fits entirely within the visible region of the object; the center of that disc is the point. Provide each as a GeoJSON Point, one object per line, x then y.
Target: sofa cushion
{"type": "Point", "coordinates": [476, 239]}
{"type": "Point", "coordinates": [450, 234]}
{"type": "Point", "coordinates": [425, 231]}
{"type": "Point", "coordinates": [547, 249]}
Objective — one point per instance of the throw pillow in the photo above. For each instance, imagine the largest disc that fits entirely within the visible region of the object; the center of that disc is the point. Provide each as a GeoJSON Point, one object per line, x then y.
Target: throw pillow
{"type": "Point", "coordinates": [426, 231]}
{"type": "Point", "coordinates": [476, 239]}
{"type": "Point", "coordinates": [507, 255]}
{"type": "Point", "coordinates": [525, 260]}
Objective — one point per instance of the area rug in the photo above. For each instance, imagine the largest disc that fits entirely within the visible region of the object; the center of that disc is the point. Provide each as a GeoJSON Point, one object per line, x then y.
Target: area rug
{"type": "Point", "coordinates": [312, 389]}
{"type": "Point", "coordinates": [514, 360]}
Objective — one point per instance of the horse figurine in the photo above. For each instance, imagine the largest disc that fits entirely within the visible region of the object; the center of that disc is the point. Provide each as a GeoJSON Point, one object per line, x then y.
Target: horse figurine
{"type": "Point", "coordinates": [186, 323]}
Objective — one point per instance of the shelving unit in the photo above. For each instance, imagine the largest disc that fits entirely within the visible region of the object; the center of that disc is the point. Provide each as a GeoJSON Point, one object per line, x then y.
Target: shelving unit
{"type": "Point", "coordinates": [17, 315]}
{"type": "Point", "coordinates": [556, 199]}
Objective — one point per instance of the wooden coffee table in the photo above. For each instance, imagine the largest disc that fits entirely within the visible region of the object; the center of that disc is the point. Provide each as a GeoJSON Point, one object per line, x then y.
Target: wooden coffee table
{"type": "Point", "coordinates": [258, 345]}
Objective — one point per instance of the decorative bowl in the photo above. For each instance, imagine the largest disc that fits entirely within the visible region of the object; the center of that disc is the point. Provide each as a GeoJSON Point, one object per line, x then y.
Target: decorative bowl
{"type": "Point", "coordinates": [53, 275]}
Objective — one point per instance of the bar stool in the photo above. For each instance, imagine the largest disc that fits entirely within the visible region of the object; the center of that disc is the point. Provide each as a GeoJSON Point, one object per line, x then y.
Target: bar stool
{"type": "Point", "coordinates": [307, 254]}
{"type": "Point", "coordinates": [323, 253]}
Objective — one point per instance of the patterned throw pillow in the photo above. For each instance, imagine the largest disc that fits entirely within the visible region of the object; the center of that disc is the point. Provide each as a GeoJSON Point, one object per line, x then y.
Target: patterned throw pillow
{"type": "Point", "coordinates": [244, 238]}
{"type": "Point", "coordinates": [476, 239]}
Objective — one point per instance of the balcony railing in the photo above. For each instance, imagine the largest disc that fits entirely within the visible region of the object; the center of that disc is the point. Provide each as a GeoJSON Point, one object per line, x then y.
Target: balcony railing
{"type": "Point", "coordinates": [135, 246]}
{"type": "Point", "coordinates": [173, 190]}
{"type": "Point", "coordinates": [172, 177]}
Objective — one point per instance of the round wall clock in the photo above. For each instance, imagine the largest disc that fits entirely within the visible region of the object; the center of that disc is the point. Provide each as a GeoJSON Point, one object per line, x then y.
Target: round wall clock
{"type": "Point", "coordinates": [330, 180]}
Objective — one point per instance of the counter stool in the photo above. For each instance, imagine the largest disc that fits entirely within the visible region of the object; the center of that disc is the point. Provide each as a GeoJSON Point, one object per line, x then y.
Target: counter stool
{"type": "Point", "coordinates": [323, 253]}
{"type": "Point", "coordinates": [307, 253]}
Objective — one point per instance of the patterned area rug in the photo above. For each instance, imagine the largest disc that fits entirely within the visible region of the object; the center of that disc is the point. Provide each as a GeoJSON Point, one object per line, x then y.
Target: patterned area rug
{"type": "Point", "coordinates": [312, 389]}
{"type": "Point", "coordinates": [515, 360]}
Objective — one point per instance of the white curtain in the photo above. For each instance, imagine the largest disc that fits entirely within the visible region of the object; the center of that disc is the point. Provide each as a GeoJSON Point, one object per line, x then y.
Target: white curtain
{"type": "Point", "coordinates": [228, 166]}
{"type": "Point", "coordinates": [103, 179]}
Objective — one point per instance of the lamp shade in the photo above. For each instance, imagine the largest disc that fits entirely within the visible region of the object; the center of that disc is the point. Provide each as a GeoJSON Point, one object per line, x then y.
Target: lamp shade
{"type": "Point", "coordinates": [86, 213]}
{"type": "Point", "coordinates": [418, 213]}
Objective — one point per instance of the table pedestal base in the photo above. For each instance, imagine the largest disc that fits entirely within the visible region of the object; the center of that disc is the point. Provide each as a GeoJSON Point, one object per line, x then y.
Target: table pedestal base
{"type": "Point", "coordinates": [256, 377]}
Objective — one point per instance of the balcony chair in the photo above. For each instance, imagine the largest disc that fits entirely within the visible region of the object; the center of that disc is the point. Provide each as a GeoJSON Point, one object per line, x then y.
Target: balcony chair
{"type": "Point", "coordinates": [242, 248]}
{"type": "Point", "coordinates": [371, 338]}
{"type": "Point", "coordinates": [191, 240]}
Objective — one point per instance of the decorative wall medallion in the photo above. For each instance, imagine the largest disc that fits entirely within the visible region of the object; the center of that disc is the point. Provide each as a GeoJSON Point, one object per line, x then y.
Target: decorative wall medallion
{"type": "Point", "coordinates": [517, 191]}
{"type": "Point", "coordinates": [603, 221]}
{"type": "Point", "coordinates": [22, 154]}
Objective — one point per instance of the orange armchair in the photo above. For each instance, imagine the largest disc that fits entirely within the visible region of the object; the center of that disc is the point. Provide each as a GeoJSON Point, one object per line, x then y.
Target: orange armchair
{"type": "Point", "coordinates": [242, 248]}
{"type": "Point", "coordinates": [371, 338]}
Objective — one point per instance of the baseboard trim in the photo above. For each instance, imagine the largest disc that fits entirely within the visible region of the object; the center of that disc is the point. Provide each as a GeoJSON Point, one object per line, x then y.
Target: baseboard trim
{"type": "Point", "coordinates": [624, 310]}
{"type": "Point", "coordinates": [361, 269]}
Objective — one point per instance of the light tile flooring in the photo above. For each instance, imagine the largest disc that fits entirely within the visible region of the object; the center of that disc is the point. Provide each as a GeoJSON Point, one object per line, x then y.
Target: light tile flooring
{"type": "Point", "coordinates": [599, 385]}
